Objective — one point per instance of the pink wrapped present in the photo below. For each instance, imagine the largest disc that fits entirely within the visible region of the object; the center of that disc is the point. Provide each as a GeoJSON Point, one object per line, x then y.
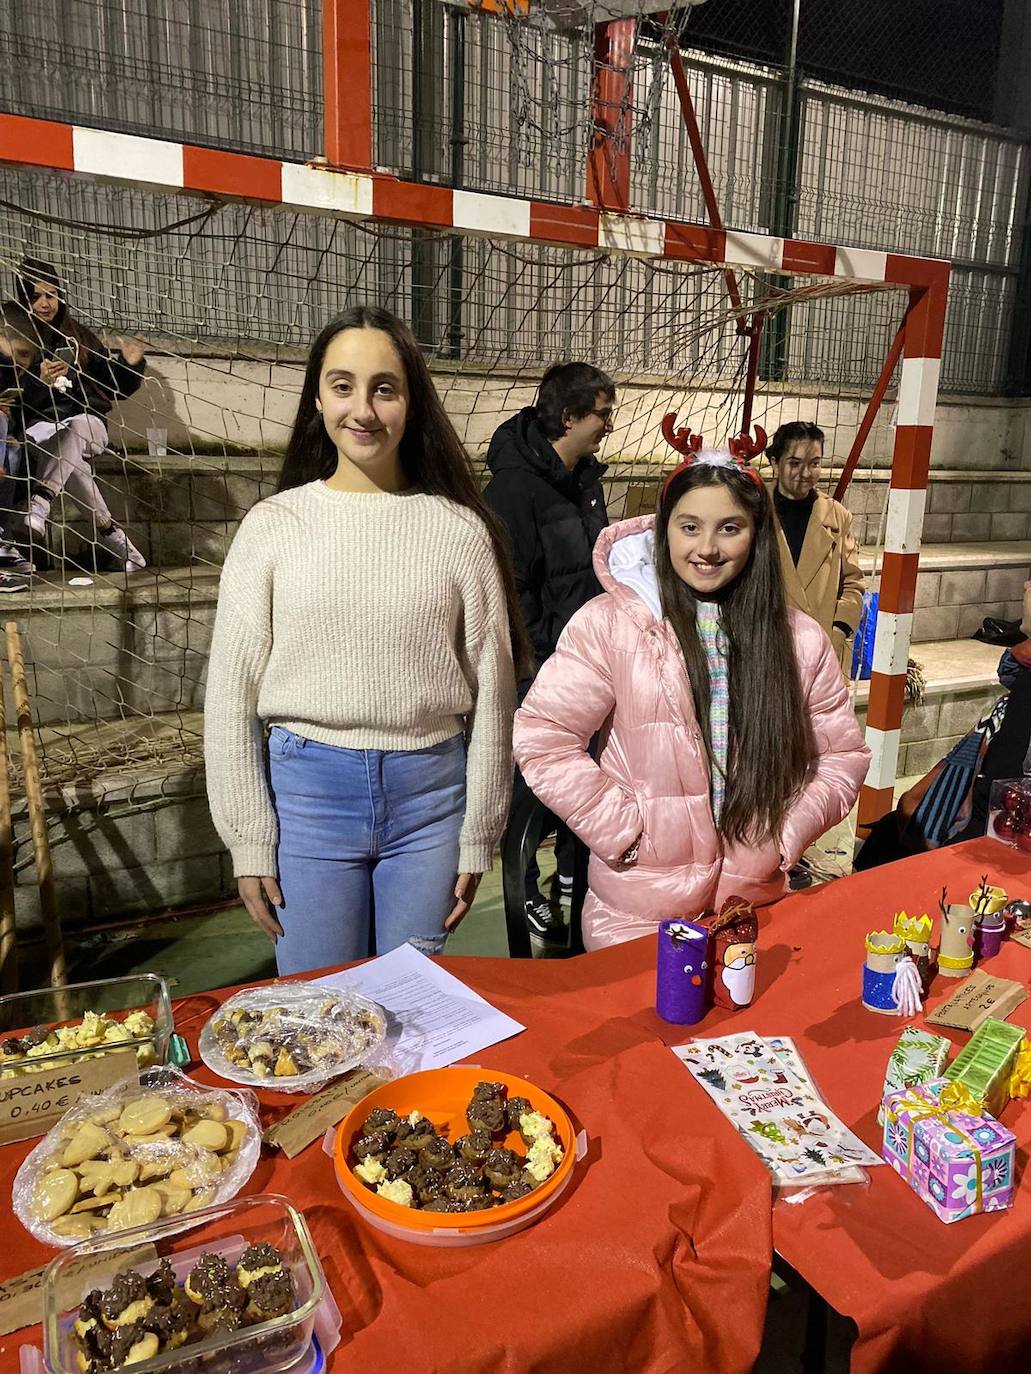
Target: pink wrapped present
{"type": "Point", "coordinates": [952, 1155]}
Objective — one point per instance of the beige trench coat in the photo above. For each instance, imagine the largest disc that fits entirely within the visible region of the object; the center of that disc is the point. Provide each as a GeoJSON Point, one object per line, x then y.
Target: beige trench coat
{"type": "Point", "coordinates": [828, 583]}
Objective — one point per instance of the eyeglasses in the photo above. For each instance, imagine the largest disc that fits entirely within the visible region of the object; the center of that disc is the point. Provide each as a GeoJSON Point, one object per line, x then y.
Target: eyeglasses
{"type": "Point", "coordinates": [605, 414]}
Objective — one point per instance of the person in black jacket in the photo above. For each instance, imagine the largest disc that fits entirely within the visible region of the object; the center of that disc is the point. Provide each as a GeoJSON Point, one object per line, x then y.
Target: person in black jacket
{"type": "Point", "coordinates": [17, 357]}
{"type": "Point", "coordinates": [546, 487]}
{"type": "Point", "coordinates": [77, 382]}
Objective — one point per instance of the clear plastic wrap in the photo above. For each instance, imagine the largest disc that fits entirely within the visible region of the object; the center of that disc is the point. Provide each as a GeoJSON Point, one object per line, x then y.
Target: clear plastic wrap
{"type": "Point", "coordinates": [1009, 812]}
{"type": "Point", "coordinates": [147, 1148]}
{"type": "Point", "coordinates": [292, 1037]}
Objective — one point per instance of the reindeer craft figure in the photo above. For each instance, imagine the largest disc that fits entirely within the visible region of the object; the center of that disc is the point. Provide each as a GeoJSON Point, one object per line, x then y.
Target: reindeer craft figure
{"type": "Point", "coordinates": [956, 946]}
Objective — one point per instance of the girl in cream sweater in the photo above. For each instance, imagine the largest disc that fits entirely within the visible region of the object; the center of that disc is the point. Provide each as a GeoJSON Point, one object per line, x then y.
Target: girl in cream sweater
{"type": "Point", "coordinates": [361, 684]}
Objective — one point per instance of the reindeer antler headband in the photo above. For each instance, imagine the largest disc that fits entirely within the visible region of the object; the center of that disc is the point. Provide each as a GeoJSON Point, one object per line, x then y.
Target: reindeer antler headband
{"type": "Point", "coordinates": [740, 450]}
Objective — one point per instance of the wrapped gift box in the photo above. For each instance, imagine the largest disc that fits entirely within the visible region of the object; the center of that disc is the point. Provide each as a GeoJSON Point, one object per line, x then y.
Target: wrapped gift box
{"type": "Point", "coordinates": [918, 1057]}
{"type": "Point", "coordinates": [958, 1161]}
{"type": "Point", "coordinates": [985, 1063]}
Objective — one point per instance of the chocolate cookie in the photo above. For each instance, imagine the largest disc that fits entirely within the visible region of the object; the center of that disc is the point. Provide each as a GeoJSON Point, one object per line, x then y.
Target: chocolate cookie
{"type": "Point", "coordinates": [127, 1289]}
{"type": "Point", "coordinates": [398, 1162]}
{"type": "Point", "coordinates": [212, 1285]}
{"type": "Point", "coordinates": [270, 1296]}
{"type": "Point", "coordinates": [374, 1146]}
{"type": "Point", "coordinates": [437, 1153]}
{"type": "Point", "coordinates": [486, 1114]}
{"type": "Point", "coordinates": [381, 1119]}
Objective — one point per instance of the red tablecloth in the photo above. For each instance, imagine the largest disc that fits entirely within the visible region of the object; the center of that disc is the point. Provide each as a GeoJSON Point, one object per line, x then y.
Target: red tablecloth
{"type": "Point", "coordinates": [656, 1257]}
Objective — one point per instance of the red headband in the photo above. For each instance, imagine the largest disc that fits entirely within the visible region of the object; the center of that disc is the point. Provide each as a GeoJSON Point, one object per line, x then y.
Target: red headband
{"type": "Point", "coordinates": [739, 450]}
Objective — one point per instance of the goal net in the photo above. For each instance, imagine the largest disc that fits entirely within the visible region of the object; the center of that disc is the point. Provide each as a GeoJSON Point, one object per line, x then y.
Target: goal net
{"type": "Point", "coordinates": [228, 297]}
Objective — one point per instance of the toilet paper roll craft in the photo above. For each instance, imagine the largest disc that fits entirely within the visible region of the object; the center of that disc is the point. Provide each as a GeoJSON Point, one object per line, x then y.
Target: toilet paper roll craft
{"type": "Point", "coordinates": [734, 932]}
{"type": "Point", "coordinates": [988, 935]}
{"type": "Point", "coordinates": [683, 982]}
{"type": "Point", "coordinates": [956, 944]}
{"type": "Point", "coordinates": [884, 949]}
{"type": "Point", "coordinates": [916, 931]}
{"type": "Point", "coordinates": [987, 898]}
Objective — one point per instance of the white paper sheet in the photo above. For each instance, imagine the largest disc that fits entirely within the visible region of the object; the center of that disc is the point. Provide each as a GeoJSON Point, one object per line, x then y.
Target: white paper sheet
{"type": "Point", "coordinates": [433, 1019]}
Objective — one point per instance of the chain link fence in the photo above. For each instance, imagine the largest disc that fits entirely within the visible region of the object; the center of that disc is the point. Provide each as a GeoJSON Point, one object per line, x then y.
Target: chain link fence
{"type": "Point", "coordinates": [875, 136]}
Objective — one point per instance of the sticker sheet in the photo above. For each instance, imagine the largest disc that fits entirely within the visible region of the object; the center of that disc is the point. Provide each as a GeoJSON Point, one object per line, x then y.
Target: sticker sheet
{"type": "Point", "coordinates": [763, 1087]}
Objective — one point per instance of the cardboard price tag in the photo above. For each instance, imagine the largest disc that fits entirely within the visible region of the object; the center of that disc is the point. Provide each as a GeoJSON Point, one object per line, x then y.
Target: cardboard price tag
{"type": "Point", "coordinates": [977, 998]}
{"type": "Point", "coordinates": [31, 1103]}
{"type": "Point", "coordinates": [311, 1120]}
{"type": "Point", "coordinates": [21, 1298]}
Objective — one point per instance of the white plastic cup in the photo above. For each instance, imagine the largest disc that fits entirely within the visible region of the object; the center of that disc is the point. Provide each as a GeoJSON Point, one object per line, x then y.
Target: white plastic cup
{"type": "Point", "coordinates": [157, 442]}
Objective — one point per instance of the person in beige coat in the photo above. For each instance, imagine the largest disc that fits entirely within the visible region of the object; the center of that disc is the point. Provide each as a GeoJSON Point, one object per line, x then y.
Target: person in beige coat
{"type": "Point", "coordinates": [818, 552]}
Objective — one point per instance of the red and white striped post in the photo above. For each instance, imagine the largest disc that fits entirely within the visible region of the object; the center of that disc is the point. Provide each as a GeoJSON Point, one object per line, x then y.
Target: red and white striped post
{"type": "Point", "coordinates": [907, 499]}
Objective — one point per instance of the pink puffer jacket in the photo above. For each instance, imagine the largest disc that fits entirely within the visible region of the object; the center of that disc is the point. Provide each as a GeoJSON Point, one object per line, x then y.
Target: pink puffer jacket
{"type": "Point", "coordinates": [618, 665]}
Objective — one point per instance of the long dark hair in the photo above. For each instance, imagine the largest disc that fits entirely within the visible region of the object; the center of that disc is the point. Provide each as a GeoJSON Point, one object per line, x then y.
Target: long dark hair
{"type": "Point", "coordinates": [770, 749]}
{"type": "Point", "coordinates": [64, 326]}
{"type": "Point", "coordinates": [431, 453]}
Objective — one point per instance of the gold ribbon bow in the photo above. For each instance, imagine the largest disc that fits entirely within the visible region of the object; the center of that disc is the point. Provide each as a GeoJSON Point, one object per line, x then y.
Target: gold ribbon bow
{"type": "Point", "coordinates": [1020, 1079]}
{"type": "Point", "coordinates": [954, 1097]}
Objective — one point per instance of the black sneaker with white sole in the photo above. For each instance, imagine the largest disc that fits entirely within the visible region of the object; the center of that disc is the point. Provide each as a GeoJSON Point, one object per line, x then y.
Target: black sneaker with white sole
{"type": "Point", "coordinates": [544, 922]}
{"type": "Point", "coordinates": [13, 582]}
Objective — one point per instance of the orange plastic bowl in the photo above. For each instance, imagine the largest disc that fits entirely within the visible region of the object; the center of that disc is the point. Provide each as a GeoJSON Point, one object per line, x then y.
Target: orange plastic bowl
{"type": "Point", "coordinates": [442, 1096]}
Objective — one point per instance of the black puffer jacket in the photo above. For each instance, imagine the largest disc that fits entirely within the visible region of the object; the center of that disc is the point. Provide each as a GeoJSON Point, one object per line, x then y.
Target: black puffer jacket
{"type": "Point", "coordinates": [553, 518]}
{"type": "Point", "coordinates": [102, 376]}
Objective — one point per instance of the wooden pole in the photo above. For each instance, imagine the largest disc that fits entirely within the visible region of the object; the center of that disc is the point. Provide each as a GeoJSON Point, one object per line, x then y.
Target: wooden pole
{"type": "Point", "coordinates": [8, 932]}
{"type": "Point", "coordinates": [37, 817]}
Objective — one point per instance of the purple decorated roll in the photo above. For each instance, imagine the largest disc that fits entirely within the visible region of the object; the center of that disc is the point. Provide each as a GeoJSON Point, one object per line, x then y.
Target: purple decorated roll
{"type": "Point", "coordinates": [683, 986]}
{"type": "Point", "coordinates": [988, 934]}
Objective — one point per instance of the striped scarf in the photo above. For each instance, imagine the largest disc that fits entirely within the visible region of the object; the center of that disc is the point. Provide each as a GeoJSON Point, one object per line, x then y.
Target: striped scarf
{"type": "Point", "coordinates": [946, 803]}
{"type": "Point", "coordinates": [714, 643]}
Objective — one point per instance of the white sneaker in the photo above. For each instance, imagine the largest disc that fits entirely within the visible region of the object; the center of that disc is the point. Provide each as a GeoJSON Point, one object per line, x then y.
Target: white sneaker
{"type": "Point", "coordinates": [12, 560]}
{"type": "Point", "coordinates": [118, 543]}
{"type": "Point", "coordinates": [37, 515]}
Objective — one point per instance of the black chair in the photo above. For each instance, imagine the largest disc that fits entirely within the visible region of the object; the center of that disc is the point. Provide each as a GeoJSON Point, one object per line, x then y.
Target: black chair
{"type": "Point", "coordinates": [526, 821]}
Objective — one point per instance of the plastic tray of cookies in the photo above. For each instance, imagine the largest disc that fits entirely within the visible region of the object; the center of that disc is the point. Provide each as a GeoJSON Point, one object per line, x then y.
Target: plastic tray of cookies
{"type": "Point", "coordinates": [155, 1146]}
{"type": "Point", "coordinates": [49, 1028]}
{"type": "Point", "coordinates": [242, 1291]}
{"type": "Point", "coordinates": [291, 1037]}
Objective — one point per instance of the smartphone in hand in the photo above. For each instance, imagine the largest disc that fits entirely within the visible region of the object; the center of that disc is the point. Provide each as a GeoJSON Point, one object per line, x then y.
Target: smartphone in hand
{"type": "Point", "coordinates": [70, 356]}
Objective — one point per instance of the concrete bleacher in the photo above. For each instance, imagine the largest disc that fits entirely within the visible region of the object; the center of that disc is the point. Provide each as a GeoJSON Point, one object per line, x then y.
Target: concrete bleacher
{"type": "Point", "coordinates": [118, 667]}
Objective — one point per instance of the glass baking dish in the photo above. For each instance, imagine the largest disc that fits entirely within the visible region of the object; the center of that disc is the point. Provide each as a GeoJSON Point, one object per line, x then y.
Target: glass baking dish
{"type": "Point", "coordinates": [43, 1009]}
{"type": "Point", "coordinates": [228, 1228]}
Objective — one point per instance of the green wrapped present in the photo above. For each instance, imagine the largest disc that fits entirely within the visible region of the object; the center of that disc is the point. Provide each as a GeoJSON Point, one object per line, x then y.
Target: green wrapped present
{"type": "Point", "coordinates": [985, 1063]}
{"type": "Point", "coordinates": [918, 1057]}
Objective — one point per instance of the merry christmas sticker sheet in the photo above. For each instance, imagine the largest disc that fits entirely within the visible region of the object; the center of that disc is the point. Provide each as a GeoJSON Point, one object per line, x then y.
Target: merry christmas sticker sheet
{"type": "Point", "coordinates": [763, 1088]}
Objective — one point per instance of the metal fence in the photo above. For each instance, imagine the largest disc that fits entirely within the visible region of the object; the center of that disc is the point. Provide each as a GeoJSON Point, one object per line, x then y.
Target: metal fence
{"type": "Point", "coordinates": [868, 171]}
{"type": "Point", "coordinates": [502, 103]}
{"type": "Point", "coordinates": [232, 73]}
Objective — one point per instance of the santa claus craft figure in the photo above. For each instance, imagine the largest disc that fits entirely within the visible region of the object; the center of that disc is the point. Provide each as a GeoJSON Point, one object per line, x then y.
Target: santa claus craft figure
{"type": "Point", "coordinates": [735, 930]}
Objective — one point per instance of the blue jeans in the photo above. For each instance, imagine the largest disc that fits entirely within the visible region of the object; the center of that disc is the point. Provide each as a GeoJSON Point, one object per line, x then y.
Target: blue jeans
{"type": "Point", "coordinates": [368, 847]}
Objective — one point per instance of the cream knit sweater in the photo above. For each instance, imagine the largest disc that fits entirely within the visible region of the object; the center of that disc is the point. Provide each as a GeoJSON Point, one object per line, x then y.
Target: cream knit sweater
{"type": "Point", "coordinates": [368, 621]}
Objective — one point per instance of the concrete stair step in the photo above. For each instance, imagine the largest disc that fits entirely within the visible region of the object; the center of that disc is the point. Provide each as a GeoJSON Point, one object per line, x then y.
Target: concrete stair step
{"type": "Point", "coordinates": [959, 584]}
{"type": "Point", "coordinates": [121, 648]}
{"type": "Point", "coordinates": [962, 683]}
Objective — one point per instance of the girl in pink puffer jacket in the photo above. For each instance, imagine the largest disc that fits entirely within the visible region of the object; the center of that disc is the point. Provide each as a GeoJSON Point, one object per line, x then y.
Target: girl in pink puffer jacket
{"type": "Point", "coordinates": [727, 743]}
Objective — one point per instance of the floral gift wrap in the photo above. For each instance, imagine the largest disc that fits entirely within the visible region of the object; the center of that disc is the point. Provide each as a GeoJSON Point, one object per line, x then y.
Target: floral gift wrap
{"type": "Point", "coordinates": [918, 1057]}
{"type": "Point", "coordinates": [958, 1160]}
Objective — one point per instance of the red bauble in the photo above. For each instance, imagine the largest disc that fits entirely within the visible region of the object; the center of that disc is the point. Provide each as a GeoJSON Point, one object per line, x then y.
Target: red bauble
{"type": "Point", "coordinates": [1023, 842]}
{"type": "Point", "coordinates": [1004, 826]}
{"type": "Point", "coordinates": [1012, 798]}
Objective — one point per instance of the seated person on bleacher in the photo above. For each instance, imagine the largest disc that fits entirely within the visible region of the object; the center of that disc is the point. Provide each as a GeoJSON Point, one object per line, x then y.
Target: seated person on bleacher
{"type": "Point", "coordinates": [66, 398]}
{"type": "Point", "coordinates": [16, 358]}
{"type": "Point", "coordinates": [950, 804]}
